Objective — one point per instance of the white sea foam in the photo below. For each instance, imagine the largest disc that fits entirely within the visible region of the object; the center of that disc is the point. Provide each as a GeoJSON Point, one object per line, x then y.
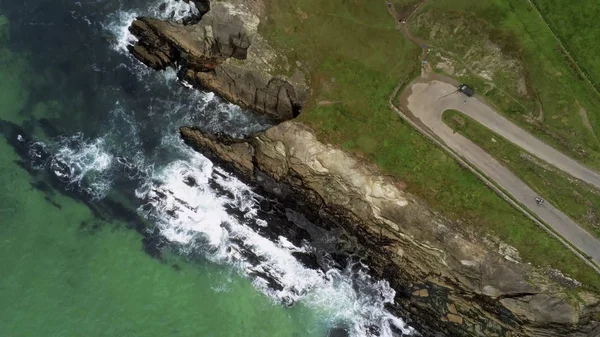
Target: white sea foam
{"type": "Point", "coordinates": [189, 213]}
{"type": "Point", "coordinates": [173, 10]}
{"type": "Point", "coordinates": [79, 162]}
{"type": "Point", "coordinates": [222, 114]}
{"type": "Point", "coordinates": [118, 23]}
{"type": "Point", "coordinates": [178, 198]}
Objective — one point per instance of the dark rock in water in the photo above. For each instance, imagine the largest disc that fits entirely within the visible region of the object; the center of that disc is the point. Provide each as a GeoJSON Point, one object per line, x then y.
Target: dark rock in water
{"type": "Point", "coordinates": [427, 260]}
{"type": "Point", "coordinates": [309, 260]}
{"type": "Point", "coordinates": [37, 159]}
{"type": "Point", "coordinates": [203, 6]}
{"type": "Point", "coordinates": [48, 127]}
{"type": "Point", "coordinates": [374, 330]}
{"type": "Point", "coordinates": [338, 332]}
{"type": "Point", "coordinates": [42, 186]}
{"type": "Point", "coordinates": [265, 206]}
{"type": "Point", "coordinates": [162, 7]}
{"type": "Point", "coordinates": [61, 170]}
{"type": "Point", "coordinates": [90, 228]}
{"type": "Point", "coordinates": [198, 48]}
{"type": "Point", "coordinates": [153, 243]}
{"type": "Point", "coordinates": [53, 203]}
{"type": "Point", "coordinates": [127, 80]}
{"type": "Point", "coordinates": [190, 181]}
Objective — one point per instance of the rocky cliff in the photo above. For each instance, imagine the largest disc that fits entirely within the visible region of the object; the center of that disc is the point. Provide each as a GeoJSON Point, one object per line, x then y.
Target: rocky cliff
{"type": "Point", "coordinates": [222, 52]}
{"type": "Point", "coordinates": [449, 280]}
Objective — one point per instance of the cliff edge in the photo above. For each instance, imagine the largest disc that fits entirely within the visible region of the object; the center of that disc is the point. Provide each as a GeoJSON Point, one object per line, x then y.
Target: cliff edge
{"type": "Point", "coordinates": [447, 277]}
{"type": "Point", "coordinates": [222, 52]}
{"type": "Point", "coordinates": [449, 280]}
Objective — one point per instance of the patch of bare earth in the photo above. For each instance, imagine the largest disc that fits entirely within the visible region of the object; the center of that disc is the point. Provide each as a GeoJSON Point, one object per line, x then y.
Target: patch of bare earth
{"type": "Point", "coordinates": [462, 46]}
{"type": "Point", "coordinates": [406, 11]}
{"type": "Point", "coordinates": [540, 117]}
{"type": "Point", "coordinates": [325, 102]}
{"type": "Point", "coordinates": [586, 121]}
{"type": "Point", "coordinates": [302, 16]}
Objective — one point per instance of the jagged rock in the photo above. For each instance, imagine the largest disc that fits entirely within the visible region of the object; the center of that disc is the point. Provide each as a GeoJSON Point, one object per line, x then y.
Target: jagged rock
{"type": "Point", "coordinates": [448, 280]}
{"type": "Point", "coordinates": [202, 5]}
{"type": "Point", "coordinates": [222, 53]}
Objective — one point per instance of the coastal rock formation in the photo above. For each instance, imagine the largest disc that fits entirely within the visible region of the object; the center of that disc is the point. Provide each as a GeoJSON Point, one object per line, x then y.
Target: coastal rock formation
{"type": "Point", "coordinates": [223, 52]}
{"type": "Point", "coordinates": [449, 280]}
{"type": "Point", "coordinates": [202, 5]}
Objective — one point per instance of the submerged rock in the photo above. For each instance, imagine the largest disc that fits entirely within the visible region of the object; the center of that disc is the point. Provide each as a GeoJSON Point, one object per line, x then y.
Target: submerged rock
{"type": "Point", "coordinates": [448, 279]}
{"type": "Point", "coordinates": [223, 53]}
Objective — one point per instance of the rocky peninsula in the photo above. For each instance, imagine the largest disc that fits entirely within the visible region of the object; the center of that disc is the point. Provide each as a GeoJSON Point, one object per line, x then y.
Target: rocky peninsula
{"type": "Point", "coordinates": [223, 53]}
{"type": "Point", "coordinates": [449, 280]}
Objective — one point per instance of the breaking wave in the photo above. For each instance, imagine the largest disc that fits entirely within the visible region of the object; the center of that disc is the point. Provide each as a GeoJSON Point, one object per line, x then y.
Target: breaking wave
{"type": "Point", "coordinates": [189, 200]}
{"type": "Point", "coordinates": [200, 208]}
{"type": "Point", "coordinates": [180, 200]}
{"type": "Point", "coordinates": [118, 23]}
{"type": "Point", "coordinates": [78, 162]}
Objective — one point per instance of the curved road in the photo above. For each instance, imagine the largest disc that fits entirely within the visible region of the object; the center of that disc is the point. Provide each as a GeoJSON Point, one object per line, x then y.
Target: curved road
{"type": "Point", "coordinates": [427, 100]}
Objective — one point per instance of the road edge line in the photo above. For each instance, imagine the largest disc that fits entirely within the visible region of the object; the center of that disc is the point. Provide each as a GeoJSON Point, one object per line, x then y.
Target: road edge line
{"type": "Point", "coordinates": [488, 182]}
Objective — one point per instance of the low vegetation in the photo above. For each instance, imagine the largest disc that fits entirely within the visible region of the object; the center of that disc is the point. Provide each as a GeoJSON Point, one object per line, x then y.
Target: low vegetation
{"type": "Point", "coordinates": [356, 56]}
{"type": "Point", "coordinates": [510, 55]}
{"type": "Point", "coordinates": [576, 25]}
{"type": "Point", "coordinates": [575, 198]}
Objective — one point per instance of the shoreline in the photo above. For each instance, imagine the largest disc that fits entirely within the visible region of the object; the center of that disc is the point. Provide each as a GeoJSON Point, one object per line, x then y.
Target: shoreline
{"type": "Point", "coordinates": [445, 274]}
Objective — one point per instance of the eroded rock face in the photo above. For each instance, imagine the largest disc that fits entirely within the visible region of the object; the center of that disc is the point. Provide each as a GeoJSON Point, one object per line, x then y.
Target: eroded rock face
{"type": "Point", "coordinates": [202, 5]}
{"type": "Point", "coordinates": [446, 277]}
{"type": "Point", "coordinates": [223, 53]}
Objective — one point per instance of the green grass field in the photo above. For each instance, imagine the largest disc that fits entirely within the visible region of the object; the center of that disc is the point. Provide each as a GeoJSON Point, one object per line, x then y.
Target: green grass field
{"type": "Point", "coordinates": [576, 24]}
{"type": "Point", "coordinates": [510, 55]}
{"type": "Point", "coordinates": [356, 57]}
{"type": "Point", "coordinates": [576, 199]}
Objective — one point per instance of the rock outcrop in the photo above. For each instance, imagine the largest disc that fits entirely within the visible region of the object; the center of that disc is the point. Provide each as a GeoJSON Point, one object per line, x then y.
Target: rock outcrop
{"type": "Point", "coordinates": [449, 280]}
{"type": "Point", "coordinates": [223, 53]}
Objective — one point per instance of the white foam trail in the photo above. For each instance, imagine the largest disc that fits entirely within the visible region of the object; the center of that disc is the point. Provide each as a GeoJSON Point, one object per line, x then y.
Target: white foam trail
{"type": "Point", "coordinates": [118, 24]}
{"type": "Point", "coordinates": [173, 10]}
{"type": "Point", "coordinates": [81, 162]}
{"type": "Point", "coordinates": [188, 212]}
{"type": "Point", "coordinates": [222, 113]}
{"type": "Point", "coordinates": [170, 75]}
{"type": "Point", "coordinates": [197, 209]}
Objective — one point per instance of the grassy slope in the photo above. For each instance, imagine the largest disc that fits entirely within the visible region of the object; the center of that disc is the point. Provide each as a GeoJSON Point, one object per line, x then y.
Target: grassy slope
{"type": "Point", "coordinates": [573, 197]}
{"type": "Point", "coordinates": [356, 58]}
{"type": "Point", "coordinates": [515, 26]}
{"type": "Point", "coordinates": [576, 24]}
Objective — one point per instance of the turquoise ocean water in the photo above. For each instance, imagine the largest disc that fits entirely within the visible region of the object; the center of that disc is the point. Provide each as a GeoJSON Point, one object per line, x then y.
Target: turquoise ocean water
{"type": "Point", "coordinates": [110, 226]}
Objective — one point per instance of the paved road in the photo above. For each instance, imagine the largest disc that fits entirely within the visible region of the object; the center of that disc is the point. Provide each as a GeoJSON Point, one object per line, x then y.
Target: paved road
{"type": "Point", "coordinates": [428, 100]}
